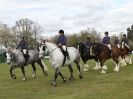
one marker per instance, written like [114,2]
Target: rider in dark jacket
[61,42]
[116,42]
[23,46]
[125,40]
[88,43]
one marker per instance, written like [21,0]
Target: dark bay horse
[103,53]
[85,56]
[126,51]
[15,58]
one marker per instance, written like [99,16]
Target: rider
[24,48]
[88,43]
[116,42]
[106,40]
[61,42]
[125,40]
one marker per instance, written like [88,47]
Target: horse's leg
[64,78]
[12,75]
[34,70]
[44,68]
[55,77]
[117,67]
[79,69]
[130,59]
[71,72]
[23,71]
[104,68]
[97,67]
[86,66]
[124,61]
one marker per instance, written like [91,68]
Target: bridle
[48,49]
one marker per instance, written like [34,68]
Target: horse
[103,53]
[15,59]
[125,54]
[57,60]
[85,56]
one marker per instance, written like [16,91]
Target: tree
[29,29]
[130,35]
[6,34]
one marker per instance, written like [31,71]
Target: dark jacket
[22,45]
[62,39]
[106,40]
[125,40]
[88,44]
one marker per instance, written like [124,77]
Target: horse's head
[42,50]
[80,46]
[123,45]
[10,55]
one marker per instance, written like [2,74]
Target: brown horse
[103,53]
[125,54]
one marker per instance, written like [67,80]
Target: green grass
[93,86]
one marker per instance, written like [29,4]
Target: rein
[52,50]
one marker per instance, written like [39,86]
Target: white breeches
[64,47]
[109,46]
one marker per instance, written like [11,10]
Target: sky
[72,16]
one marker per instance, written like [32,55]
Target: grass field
[93,86]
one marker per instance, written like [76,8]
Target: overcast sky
[70,15]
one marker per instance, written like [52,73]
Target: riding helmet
[106,33]
[124,35]
[61,31]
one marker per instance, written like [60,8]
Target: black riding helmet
[106,33]
[124,35]
[61,31]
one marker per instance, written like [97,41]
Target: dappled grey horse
[15,58]
[57,59]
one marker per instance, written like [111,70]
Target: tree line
[32,32]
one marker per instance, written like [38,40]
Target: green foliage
[130,35]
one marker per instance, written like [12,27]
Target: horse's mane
[50,43]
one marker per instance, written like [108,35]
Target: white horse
[57,59]
[15,58]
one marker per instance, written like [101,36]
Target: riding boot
[26,58]
[67,54]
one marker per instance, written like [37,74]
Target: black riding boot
[67,54]
[26,56]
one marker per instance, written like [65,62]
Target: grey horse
[15,58]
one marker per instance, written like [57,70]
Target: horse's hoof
[85,69]
[64,80]
[14,77]
[103,72]
[80,76]
[54,84]
[24,79]
[34,76]
[71,78]
[46,74]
